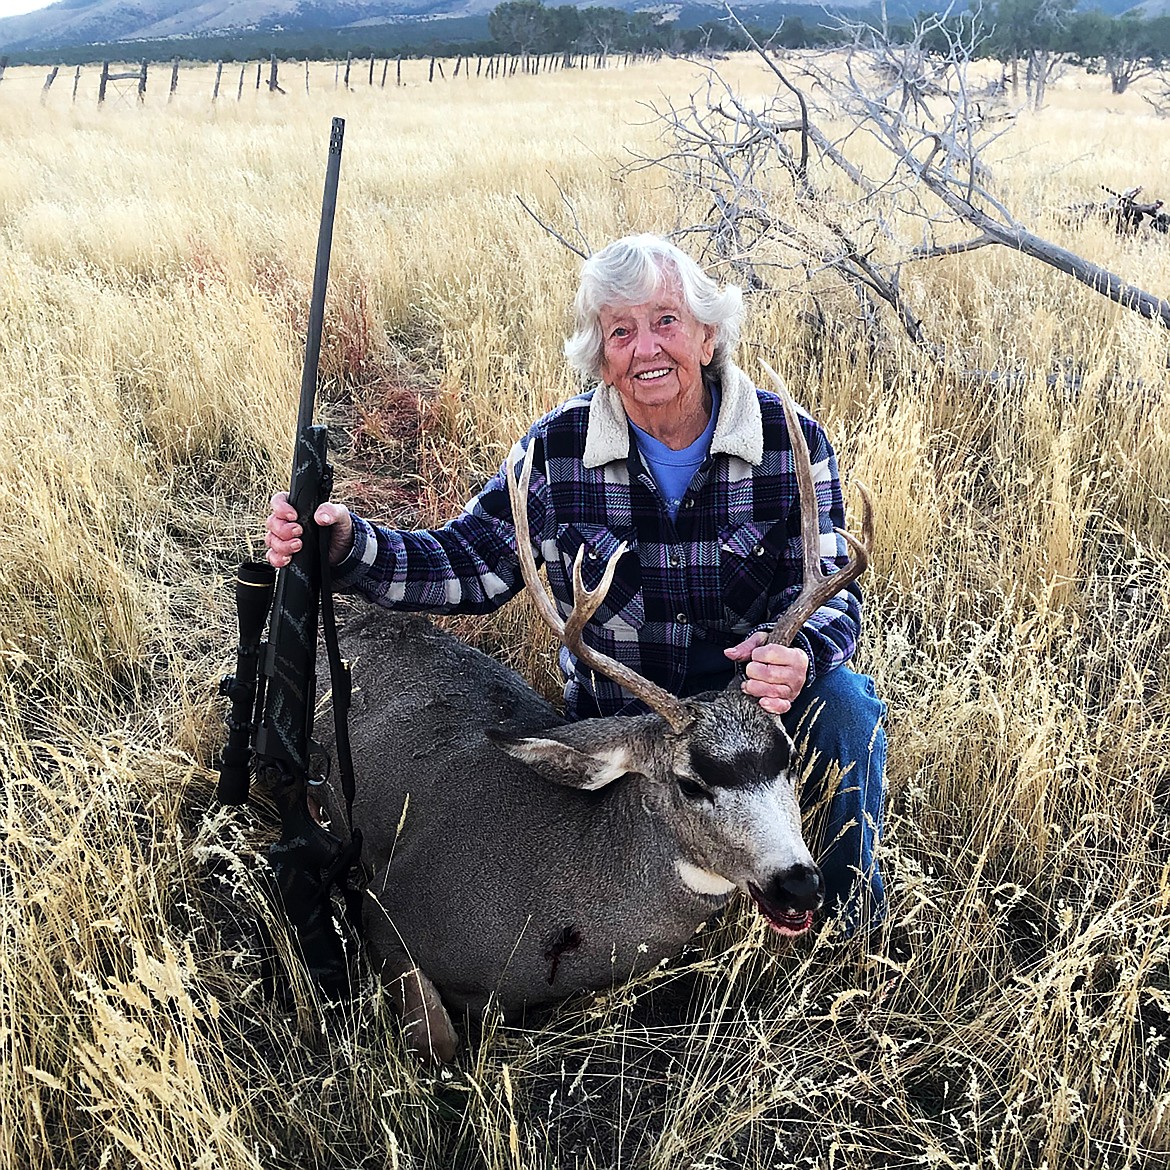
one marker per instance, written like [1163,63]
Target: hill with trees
[1031,37]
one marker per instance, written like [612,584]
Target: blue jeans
[836,722]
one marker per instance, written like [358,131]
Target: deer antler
[818,585]
[585,605]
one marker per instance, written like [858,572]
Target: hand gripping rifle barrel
[274,688]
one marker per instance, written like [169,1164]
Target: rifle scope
[255,581]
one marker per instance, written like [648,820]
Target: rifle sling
[340,680]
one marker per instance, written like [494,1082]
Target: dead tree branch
[780,191]
[553,231]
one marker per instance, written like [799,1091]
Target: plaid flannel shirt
[728,565]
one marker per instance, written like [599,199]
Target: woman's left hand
[775,674]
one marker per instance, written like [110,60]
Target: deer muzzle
[790,899]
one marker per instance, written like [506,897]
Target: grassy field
[155,263]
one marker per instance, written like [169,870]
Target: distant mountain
[79,22]
[94,22]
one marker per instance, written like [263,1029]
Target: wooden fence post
[306,75]
[398,72]
[174,78]
[138,75]
[259,70]
[336,73]
[240,91]
[76,79]
[3,66]
[371,69]
[348,63]
[385,70]
[273,83]
[49,81]
[218,77]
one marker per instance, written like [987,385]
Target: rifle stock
[285,729]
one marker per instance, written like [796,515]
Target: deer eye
[693,790]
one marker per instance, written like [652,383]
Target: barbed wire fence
[131,83]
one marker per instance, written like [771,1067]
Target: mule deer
[515,856]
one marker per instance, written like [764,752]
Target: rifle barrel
[320,279]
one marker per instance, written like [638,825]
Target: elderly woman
[677,453]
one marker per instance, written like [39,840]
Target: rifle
[273,691]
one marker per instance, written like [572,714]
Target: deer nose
[799,886]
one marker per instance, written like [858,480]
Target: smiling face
[653,355]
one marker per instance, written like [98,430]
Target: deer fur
[515,856]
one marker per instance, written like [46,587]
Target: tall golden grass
[154,272]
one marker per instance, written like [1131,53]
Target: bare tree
[1124,69]
[1129,52]
[1159,101]
[1030,31]
[779,192]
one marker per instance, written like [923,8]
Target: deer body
[499,879]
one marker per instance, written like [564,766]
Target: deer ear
[589,754]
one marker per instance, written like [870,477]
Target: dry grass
[154,268]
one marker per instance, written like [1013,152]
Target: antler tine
[818,585]
[585,605]
[518,497]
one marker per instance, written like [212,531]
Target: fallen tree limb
[918,106]
[1094,276]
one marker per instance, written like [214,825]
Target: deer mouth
[784,920]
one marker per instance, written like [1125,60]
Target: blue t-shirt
[674,470]
[707,666]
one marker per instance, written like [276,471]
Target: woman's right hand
[283,533]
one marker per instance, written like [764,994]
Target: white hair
[629,272]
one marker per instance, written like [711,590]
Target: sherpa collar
[739,429]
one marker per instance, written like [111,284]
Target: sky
[16,7]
